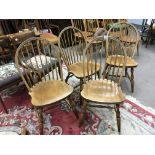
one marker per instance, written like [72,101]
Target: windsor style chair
[88,27]
[100,90]
[43,76]
[128,35]
[72,47]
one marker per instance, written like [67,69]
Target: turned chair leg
[72,105]
[4,107]
[40,117]
[118,118]
[132,79]
[98,74]
[84,108]
[81,87]
[66,80]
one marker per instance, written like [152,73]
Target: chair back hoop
[71,43]
[38,60]
[96,54]
[127,34]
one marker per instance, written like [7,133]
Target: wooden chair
[43,74]
[50,37]
[129,37]
[97,88]
[6,50]
[88,27]
[72,47]
[43,25]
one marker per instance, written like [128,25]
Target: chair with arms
[43,74]
[98,91]
[129,37]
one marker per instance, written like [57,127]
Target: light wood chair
[79,23]
[97,88]
[50,37]
[88,27]
[72,47]
[40,68]
[129,36]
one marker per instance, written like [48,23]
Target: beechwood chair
[103,91]
[72,47]
[88,27]
[39,64]
[129,36]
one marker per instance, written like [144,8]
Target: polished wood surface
[77,68]
[48,92]
[97,88]
[129,36]
[88,27]
[72,47]
[118,61]
[43,76]
[50,37]
[103,91]
[85,34]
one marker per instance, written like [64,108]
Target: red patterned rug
[136,118]
[58,119]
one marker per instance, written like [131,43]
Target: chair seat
[102,91]
[127,39]
[89,39]
[77,69]
[85,34]
[48,92]
[50,37]
[111,60]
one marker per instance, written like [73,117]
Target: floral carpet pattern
[135,118]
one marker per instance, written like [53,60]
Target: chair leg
[84,108]
[4,107]
[98,74]
[72,104]
[138,48]
[81,84]
[81,87]
[68,76]
[118,118]
[132,79]
[40,117]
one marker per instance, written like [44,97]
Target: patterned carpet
[135,118]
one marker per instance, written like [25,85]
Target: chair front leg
[118,118]
[81,87]
[4,107]
[84,108]
[68,76]
[39,111]
[132,79]
[73,106]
